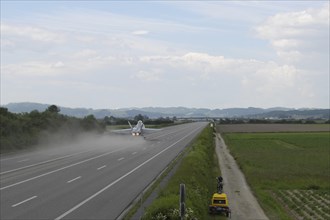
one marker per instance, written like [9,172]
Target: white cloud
[33,33]
[295,35]
[59,64]
[149,76]
[85,53]
[88,53]
[140,32]
[33,69]
[255,83]
[7,43]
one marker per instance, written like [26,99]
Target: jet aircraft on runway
[137,130]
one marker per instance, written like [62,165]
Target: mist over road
[96,177]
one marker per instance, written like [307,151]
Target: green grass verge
[197,171]
[282,161]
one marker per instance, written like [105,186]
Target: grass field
[288,172]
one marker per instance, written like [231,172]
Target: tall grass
[197,171]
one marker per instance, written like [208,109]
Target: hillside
[180,112]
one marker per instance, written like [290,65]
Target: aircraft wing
[122,131]
[151,130]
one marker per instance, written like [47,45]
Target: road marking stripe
[63,168]
[22,160]
[47,161]
[134,153]
[101,167]
[70,181]
[26,200]
[120,178]
[122,158]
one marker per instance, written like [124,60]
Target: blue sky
[204,54]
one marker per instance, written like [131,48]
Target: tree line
[110,120]
[23,130]
[20,131]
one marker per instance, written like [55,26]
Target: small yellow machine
[219,204]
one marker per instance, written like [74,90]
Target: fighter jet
[137,129]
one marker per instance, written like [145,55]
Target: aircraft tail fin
[130,124]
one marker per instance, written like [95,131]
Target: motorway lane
[99,188]
[53,152]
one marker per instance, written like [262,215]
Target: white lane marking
[63,168]
[70,181]
[43,162]
[101,167]
[134,153]
[20,161]
[26,200]
[120,178]
[122,158]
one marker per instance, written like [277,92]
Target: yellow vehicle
[219,204]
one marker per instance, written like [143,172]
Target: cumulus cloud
[252,81]
[120,58]
[296,35]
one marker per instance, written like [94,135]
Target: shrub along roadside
[197,171]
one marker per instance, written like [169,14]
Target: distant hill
[297,114]
[180,112]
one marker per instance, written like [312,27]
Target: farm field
[288,172]
[252,128]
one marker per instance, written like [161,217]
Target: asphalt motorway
[95,178]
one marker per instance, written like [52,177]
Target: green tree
[141,117]
[53,109]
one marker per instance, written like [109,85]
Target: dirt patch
[241,200]
[248,128]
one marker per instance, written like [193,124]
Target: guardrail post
[182,201]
